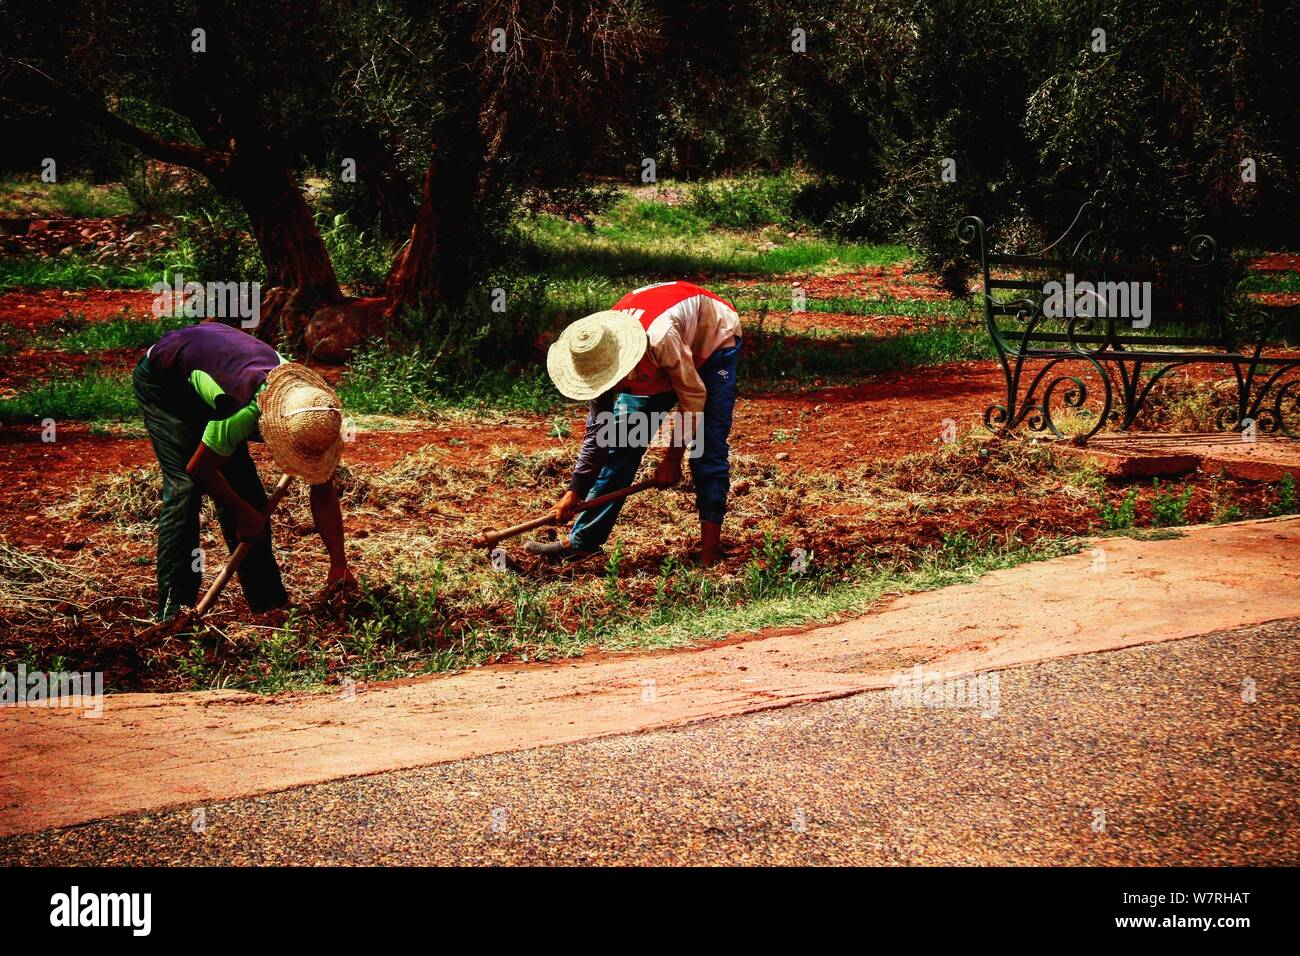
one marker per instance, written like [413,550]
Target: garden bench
[1083,336]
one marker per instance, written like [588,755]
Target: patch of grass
[74,334]
[360,262]
[71,199]
[638,245]
[750,300]
[91,396]
[78,271]
[404,630]
[774,354]
[1271,282]
[1285,502]
[383,380]
[745,202]
[1119,517]
[1170,506]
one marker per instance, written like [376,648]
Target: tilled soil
[830,469]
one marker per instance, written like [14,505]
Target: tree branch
[22,82]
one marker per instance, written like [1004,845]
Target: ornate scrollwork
[1201,250]
[1122,366]
[1290,392]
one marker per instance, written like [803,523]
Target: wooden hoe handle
[491,536]
[241,552]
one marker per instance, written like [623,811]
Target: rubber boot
[710,536]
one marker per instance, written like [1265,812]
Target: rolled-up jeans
[710,468]
[175,417]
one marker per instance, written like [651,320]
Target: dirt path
[863,780]
[151,751]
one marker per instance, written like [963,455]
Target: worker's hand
[669,471]
[250,524]
[341,576]
[566,507]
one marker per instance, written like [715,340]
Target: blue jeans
[711,469]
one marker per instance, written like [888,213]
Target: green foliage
[1228,514]
[1119,518]
[745,202]
[90,396]
[214,244]
[1285,504]
[773,353]
[957,549]
[360,262]
[69,199]
[612,565]
[74,334]
[1170,507]
[771,572]
[76,271]
[383,380]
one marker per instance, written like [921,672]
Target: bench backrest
[1076,295]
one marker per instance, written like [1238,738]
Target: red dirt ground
[30,310]
[895,281]
[883,325]
[1277,262]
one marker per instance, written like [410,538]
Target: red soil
[894,281]
[30,310]
[882,324]
[1277,262]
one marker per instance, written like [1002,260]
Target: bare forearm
[214,484]
[327,514]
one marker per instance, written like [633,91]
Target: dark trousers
[710,469]
[175,418]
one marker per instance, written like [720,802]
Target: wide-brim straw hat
[301,422]
[595,353]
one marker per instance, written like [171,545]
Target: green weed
[1119,518]
[90,396]
[1285,503]
[1170,507]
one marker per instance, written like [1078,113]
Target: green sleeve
[206,386]
[223,435]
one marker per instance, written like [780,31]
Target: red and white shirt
[684,324]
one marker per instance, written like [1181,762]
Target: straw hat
[595,353]
[301,422]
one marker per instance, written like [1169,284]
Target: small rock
[782,455]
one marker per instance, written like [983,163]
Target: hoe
[188,618]
[490,537]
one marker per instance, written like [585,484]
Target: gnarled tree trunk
[300,276]
[427,272]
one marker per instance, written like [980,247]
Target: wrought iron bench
[1083,336]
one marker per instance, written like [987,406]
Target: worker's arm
[674,357]
[328,516]
[591,457]
[205,469]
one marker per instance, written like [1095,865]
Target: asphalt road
[1143,756]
